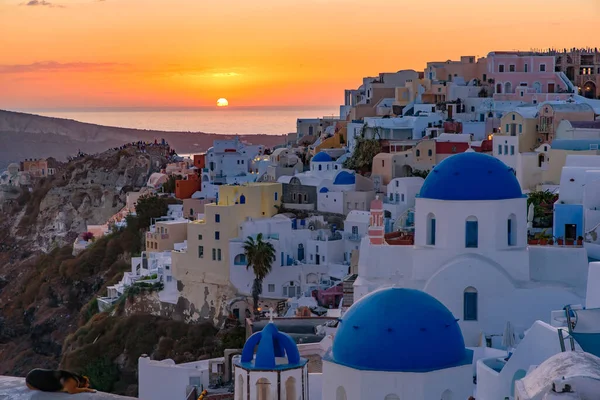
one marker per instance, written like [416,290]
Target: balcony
[387,200]
[326,236]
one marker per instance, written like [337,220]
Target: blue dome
[402,330]
[321,157]
[471,176]
[272,344]
[323,190]
[344,178]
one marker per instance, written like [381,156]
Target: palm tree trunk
[256,290]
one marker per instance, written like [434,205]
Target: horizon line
[168,108]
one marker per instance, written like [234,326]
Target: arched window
[340,393]
[312,278]
[447,395]
[430,229]
[391,397]
[263,389]
[471,232]
[507,87]
[470,304]
[512,230]
[320,167]
[541,159]
[242,199]
[418,153]
[290,388]
[239,388]
[499,88]
[240,259]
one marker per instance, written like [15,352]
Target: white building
[348,191]
[401,195]
[356,226]
[305,259]
[228,162]
[470,251]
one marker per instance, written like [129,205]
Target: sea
[230,120]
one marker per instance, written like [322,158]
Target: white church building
[470,251]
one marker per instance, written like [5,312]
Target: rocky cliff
[48,311]
[86,191]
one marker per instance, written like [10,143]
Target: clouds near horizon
[49,66]
[32,3]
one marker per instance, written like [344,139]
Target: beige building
[202,270]
[165,234]
[551,115]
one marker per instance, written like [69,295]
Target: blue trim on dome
[322,157]
[344,178]
[399,330]
[471,176]
[271,344]
[323,190]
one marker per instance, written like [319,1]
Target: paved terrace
[14,389]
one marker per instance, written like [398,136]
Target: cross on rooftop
[271,314]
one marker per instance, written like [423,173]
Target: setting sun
[222,102]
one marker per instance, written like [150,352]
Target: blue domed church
[471,252]
[398,343]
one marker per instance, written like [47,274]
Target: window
[200,237]
[499,149]
[429,152]
[263,389]
[340,393]
[542,67]
[200,251]
[240,259]
[217,218]
[320,167]
[471,232]
[501,68]
[418,153]
[383,163]
[276,195]
[511,68]
[526,68]
[507,128]
[513,117]
[511,230]
[520,128]
[431,229]
[242,199]
[402,197]
[217,235]
[218,254]
[169,278]
[397,183]
[512,150]
[470,304]
[271,288]
[214,254]
[505,149]
[242,161]
[290,388]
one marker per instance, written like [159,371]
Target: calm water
[210,120]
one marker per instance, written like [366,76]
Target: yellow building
[165,235]
[202,271]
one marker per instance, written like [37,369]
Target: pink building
[331,297]
[526,77]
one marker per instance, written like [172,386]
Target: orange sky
[126,53]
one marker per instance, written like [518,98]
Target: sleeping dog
[48,380]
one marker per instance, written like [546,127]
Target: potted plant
[560,241]
[580,241]
[544,238]
[569,242]
[551,241]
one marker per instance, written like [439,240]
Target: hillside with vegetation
[49,315]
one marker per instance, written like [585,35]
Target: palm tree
[259,255]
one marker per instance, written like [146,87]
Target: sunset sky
[188,53]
